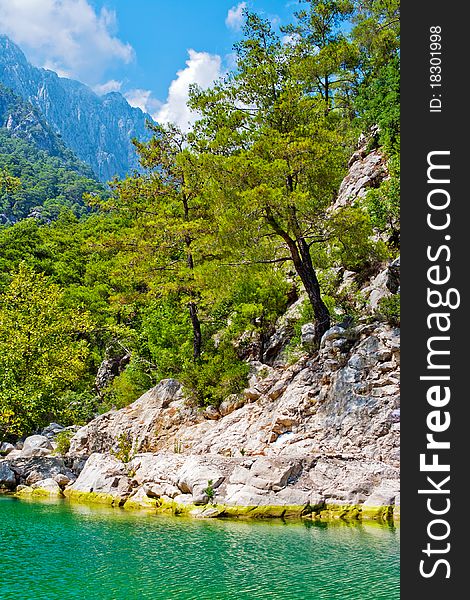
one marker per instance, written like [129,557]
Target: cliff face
[343,399]
[20,119]
[50,173]
[98,129]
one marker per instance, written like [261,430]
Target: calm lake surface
[52,551]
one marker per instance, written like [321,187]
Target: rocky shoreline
[208,486]
[316,439]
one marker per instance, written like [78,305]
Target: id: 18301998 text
[435,68]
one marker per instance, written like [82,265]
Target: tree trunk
[300,253]
[327,94]
[309,278]
[196,325]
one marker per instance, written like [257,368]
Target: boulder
[14,454]
[46,487]
[36,445]
[7,476]
[139,500]
[308,335]
[196,475]
[266,473]
[24,488]
[52,430]
[63,480]
[334,333]
[184,499]
[6,448]
[161,469]
[33,477]
[158,490]
[104,479]
[140,421]
[31,470]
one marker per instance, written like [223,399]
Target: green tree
[275,158]
[48,182]
[167,213]
[376,33]
[42,351]
[324,58]
[8,183]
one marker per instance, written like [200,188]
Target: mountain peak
[98,129]
[11,52]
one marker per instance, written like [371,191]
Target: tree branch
[258,262]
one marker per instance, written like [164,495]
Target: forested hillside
[186,267]
[50,176]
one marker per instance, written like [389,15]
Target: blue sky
[149,50]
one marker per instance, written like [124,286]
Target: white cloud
[110,86]
[143,99]
[201,68]
[67,35]
[138,98]
[53,66]
[235,16]
[290,40]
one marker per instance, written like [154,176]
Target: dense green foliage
[185,268]
[48,183]
[63,441]
[42,351]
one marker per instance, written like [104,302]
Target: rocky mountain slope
[98,129]
[319,437]
[21,120]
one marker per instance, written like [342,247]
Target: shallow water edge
[322,512]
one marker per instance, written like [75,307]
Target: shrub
[214,376]
[77,408]
[209,491]
[389,308]
[63,441]
[126,387]
[383,204]
[124,451]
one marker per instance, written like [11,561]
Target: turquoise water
[60,551]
